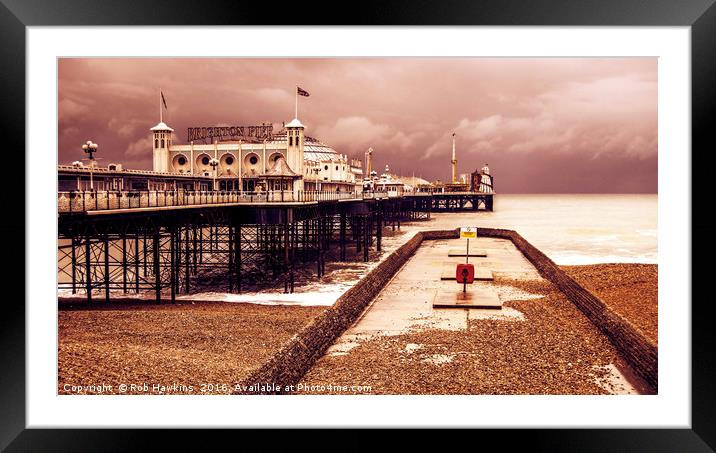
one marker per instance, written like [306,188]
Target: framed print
[441,217]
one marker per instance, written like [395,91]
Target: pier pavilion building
[250,158]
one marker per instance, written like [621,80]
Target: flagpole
[296,95]
[161,119]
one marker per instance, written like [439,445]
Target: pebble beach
[221,342]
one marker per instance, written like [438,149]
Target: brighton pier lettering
[228,132]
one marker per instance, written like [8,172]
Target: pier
[165,243]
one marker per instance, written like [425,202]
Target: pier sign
[263,131]
[468,232]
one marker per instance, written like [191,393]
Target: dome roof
[162,127]
[294,123]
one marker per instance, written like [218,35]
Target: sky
[544,125]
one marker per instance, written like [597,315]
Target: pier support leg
[285,255]
[157,276]
[88,269]
[106,268]
[366,237]
[237,259]
[172,265]
[230,243]
[74,264]
[187,261]
[379,229]
[194,239]
[144,244]
[177,258]
[136,263]
[342,236]
[124,263]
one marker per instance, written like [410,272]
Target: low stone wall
[293,360]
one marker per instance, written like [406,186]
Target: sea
[575,229]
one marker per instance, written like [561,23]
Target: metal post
[318,246]
[88,269]
[194,238]
[136,262]
[285,250]
[366,238]
[293,227]
[237,260]
[342,236]
[144,245]
[172,264]
[177,258]
[74,265]
[157,277]
[201,244]
[124,263]
[186,258]
[229,246]
[106,268]
[379,227]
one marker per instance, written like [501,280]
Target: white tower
[294,150]
[162,140]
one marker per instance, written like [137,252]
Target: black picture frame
[700,15]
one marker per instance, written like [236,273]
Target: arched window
[156,143]
[162,143]
[325,167]
[290,140]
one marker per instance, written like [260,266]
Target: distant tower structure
[162,136]
[368,157]
[162,140]
[454,160]
[294,152]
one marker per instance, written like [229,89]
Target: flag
[164,101]
[302,92]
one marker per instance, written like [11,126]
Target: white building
[251,161]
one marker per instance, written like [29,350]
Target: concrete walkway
[406,303]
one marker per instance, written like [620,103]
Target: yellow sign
[468,232]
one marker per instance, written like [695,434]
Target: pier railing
[82,201]
[93,200]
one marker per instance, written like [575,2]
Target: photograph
[392,225]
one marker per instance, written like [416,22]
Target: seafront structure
[235,205]
[239,158]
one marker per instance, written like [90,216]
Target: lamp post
[214,162]
[90,148]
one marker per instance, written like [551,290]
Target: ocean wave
[570,259]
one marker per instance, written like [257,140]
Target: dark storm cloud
[543,125]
